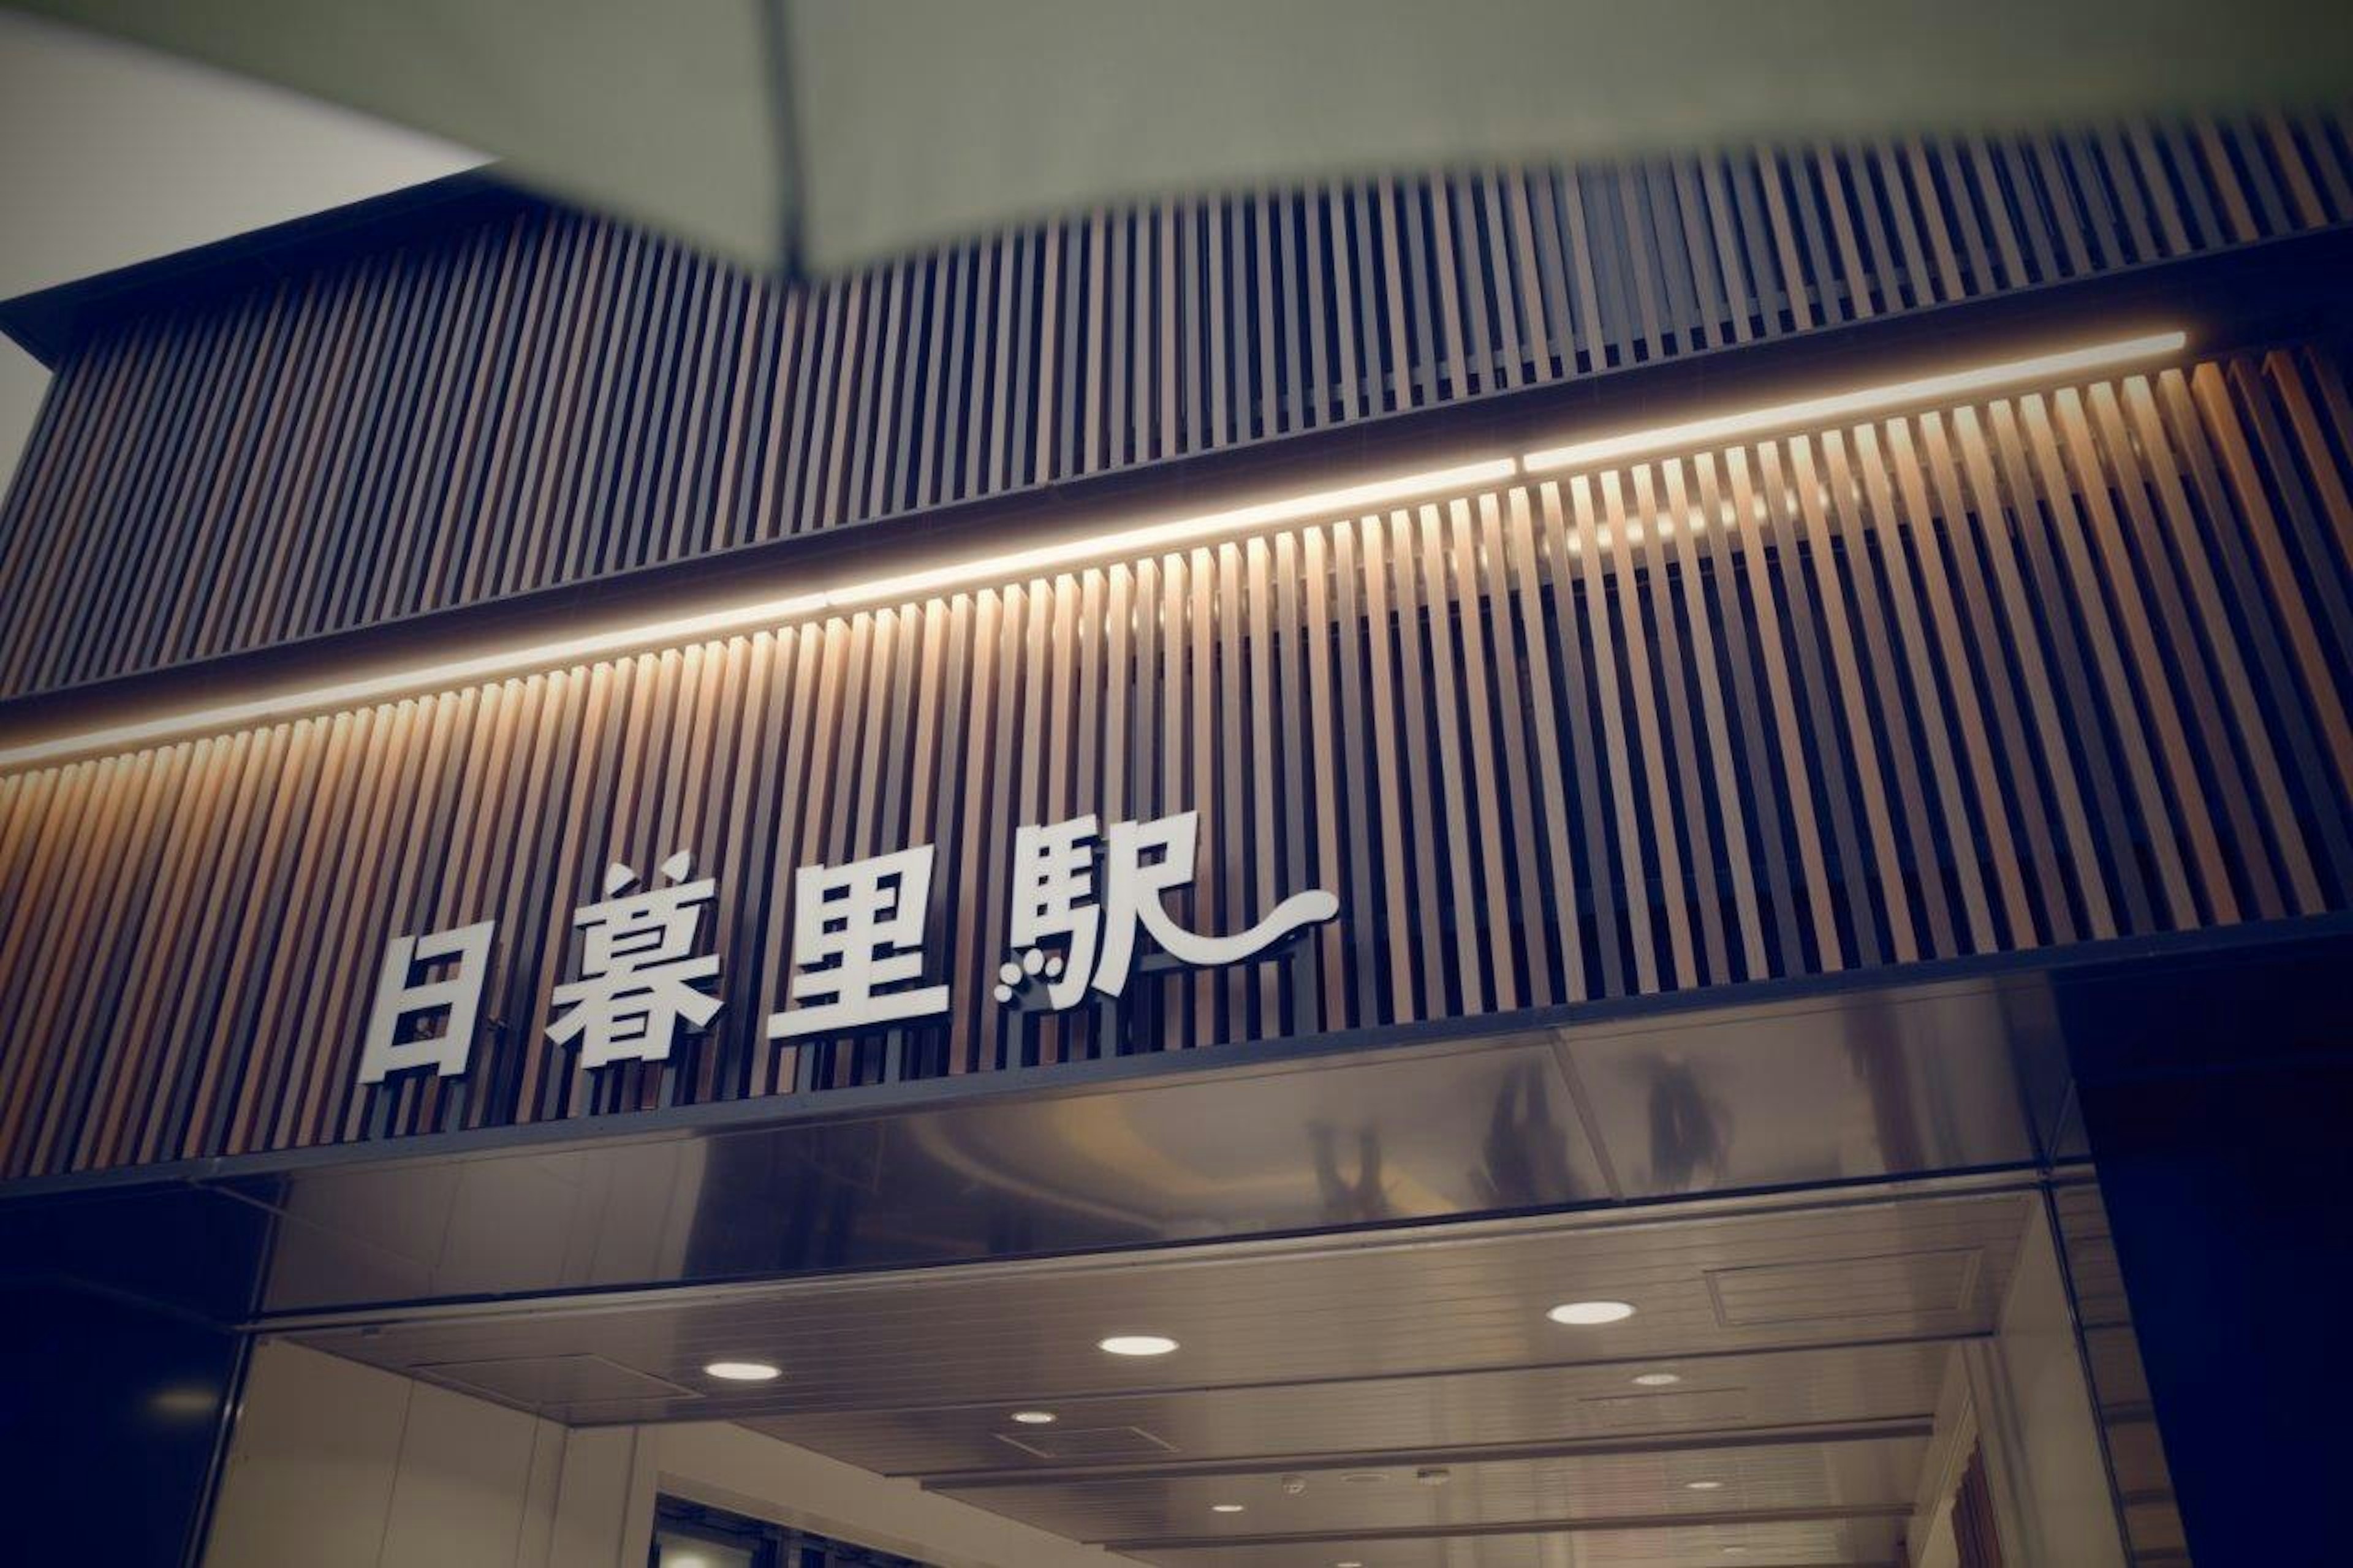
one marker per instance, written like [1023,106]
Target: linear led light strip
[1870,399]
[1019,565]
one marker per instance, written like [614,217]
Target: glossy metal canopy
[1817,1198]
[827,132]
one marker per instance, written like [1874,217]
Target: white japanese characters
[859,929]
[1092,896]
[399,996]
[640,969]
[1081,898]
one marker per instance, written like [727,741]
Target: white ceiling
[1395,1396]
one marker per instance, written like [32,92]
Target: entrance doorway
[1866,1378]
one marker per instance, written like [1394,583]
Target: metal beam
[1888,1429]
[1621,1523]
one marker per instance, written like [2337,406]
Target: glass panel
[2137,1467]
[690,1535]
[675,1549]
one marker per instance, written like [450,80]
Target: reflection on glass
[695,1535]
[2137,1467]
[672,1550]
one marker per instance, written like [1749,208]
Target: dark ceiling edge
[51,324]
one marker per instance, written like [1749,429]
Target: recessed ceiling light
[1225,1508]
[1704,1486]
[1350,1562]
[1034,1417]
[1657,1379]
[1137,1344]
[742,1370]
[1364,1478]
[1584,1314]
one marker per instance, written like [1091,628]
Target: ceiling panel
[1877,1472]
[1384,1307]
[1518,1406]
[1788,1543]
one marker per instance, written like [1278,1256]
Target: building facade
[1353,778]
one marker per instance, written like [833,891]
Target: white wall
[336,1464]
[2035,1418]
[110,155]
[1928,1537]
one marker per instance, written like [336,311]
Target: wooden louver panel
[2049,668]
[551,398]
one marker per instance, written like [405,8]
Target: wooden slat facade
[2056,667]
[550,398]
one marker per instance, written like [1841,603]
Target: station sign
[1086,899]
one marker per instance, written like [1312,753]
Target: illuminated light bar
[1158,537]
[761,615]
[1953,385]
[1014,566]
[409,681]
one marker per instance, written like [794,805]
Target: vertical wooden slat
[1684,523]
[1326,728]
[1353,586]
[1916,557]
[2107,661]
[1552,801]
[1960,680]
[1748,522]
[1597,541]
[1669,690]
[2073,737]
[1387,759]
[1515,904]
[1447,826]
[1885,596]
[640,405]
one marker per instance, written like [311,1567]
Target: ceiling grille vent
[1088,1443]
[1893,1285]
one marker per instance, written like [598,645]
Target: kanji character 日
[405,1002]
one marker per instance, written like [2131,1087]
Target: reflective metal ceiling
[1244,1142]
